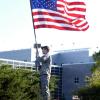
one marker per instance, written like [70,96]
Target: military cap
[45,47]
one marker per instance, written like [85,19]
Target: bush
[20,84]
[89,93]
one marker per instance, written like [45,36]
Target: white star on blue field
[45,4]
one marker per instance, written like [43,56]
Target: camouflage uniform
[45,73]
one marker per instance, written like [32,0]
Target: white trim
[79,63]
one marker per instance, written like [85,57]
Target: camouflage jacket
[45,62]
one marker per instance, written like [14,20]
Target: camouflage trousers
[44,83]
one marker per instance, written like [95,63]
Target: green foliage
[89,93]
[53,83]
[18,84]
[21,84]
[95,79]
[96,57]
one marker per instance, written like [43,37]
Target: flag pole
[36,44]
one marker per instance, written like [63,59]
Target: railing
[21,64]
[18,64]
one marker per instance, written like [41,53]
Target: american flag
[59,14]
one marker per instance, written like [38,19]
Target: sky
[16,29]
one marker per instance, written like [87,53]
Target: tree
[96,57]
[20,84]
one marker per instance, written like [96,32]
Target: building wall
[73,78]
[70,57]
[23,55]
[61,57]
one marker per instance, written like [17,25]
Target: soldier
[45,72]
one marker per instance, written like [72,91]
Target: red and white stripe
[70,15]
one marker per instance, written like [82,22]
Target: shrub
[21,84]
[18,84]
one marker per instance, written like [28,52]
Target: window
[76,80]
